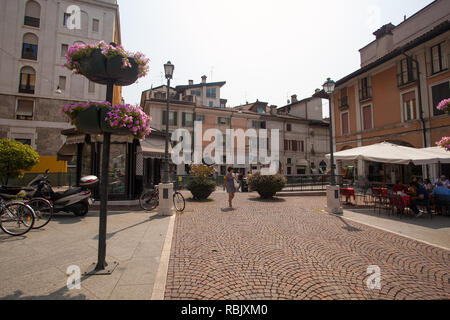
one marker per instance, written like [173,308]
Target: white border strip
[397,233]
[161,275]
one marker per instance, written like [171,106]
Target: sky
[264,49]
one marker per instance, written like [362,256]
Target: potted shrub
[121,119]
[201,187]
[267,186]
[104,62]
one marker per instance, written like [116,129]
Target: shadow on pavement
[349,227]
[112,234]
[273,200]
[228,209]
[57,295]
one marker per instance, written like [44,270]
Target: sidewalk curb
[159,286]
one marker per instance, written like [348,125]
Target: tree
[15,158]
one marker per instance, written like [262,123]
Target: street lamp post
[166,188]
[333,196]
[328,87]
[168,69]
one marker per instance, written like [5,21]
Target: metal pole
[166,154]
[101,264]
[333,178]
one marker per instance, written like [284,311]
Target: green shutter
[175,118]
[164,117]
[183,119]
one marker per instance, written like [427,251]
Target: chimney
[385,40]
[204,79]
[191,82]
[294,98]
[273,110]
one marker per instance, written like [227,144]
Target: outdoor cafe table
[381,191]
[348,192]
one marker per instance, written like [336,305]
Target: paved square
[289,249]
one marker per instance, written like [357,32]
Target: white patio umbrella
[386,152]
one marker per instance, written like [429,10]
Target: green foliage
[201,171]
[15,158]
[201,188]
[266,186]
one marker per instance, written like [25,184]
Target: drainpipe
[424,128]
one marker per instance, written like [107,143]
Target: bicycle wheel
[43,212]
[16,219]
[149,200]
[178,201]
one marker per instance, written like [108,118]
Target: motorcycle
[76,199]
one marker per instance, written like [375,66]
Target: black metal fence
[311,182]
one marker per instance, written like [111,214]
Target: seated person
[399,187]
[419,195]
[443,180]
[440,190]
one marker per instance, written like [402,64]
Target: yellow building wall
[49,162]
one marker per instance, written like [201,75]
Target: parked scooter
[75,199]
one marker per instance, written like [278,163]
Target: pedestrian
[427,184]
[229,185]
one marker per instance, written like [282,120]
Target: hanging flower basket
[444,143]
[103,63]
[97,118]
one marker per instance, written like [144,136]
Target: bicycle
[149,200]
[43,210]
[16,218]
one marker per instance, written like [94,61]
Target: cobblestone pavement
[289,249]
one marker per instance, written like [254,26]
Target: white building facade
[34,37]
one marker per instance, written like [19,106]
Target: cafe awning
[386,152]
[154,146]
[67,152]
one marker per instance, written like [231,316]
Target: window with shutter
[367,117]
[24,109]
[345,124]
[294,145]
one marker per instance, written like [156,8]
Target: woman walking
[230,179]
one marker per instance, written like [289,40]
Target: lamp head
[168,70]
[329,86]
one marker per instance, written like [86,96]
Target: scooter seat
[71,191]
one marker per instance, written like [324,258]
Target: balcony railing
[406,79]
[26,89]
[33,22]
[365,93]
[343,103]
